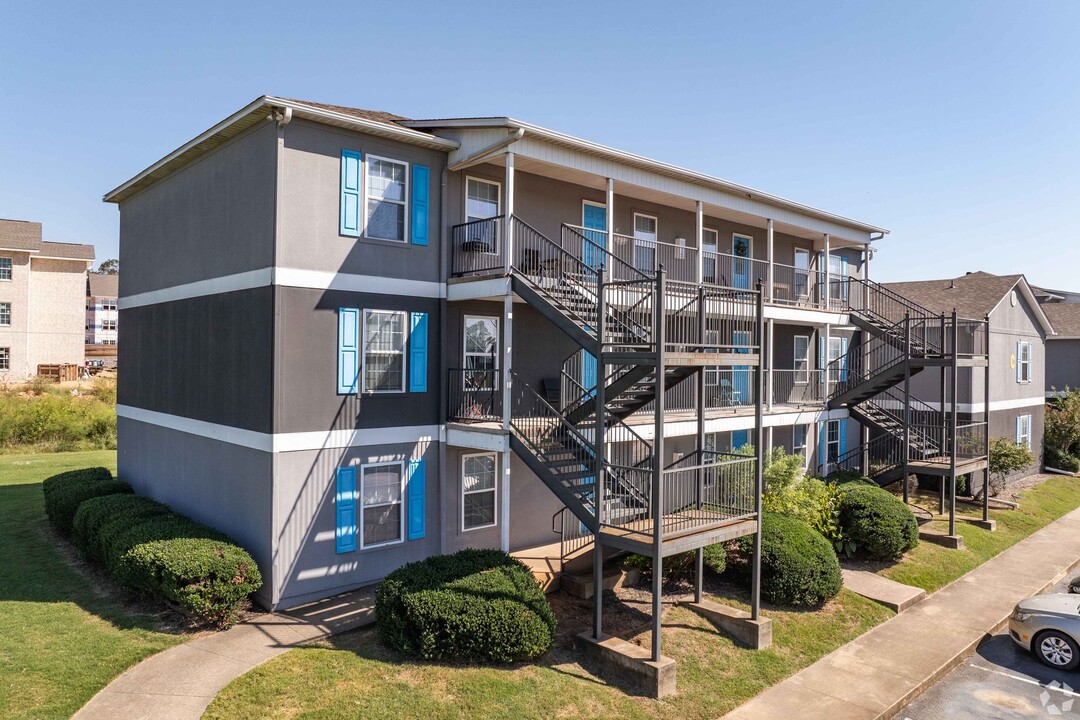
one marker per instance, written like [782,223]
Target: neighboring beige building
[42,300]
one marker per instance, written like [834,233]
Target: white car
[1049,626]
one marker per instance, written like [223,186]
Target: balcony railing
[706,487]
[474,395]
[477,247]
[797,387]
[796,286]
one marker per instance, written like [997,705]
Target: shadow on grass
[40,566]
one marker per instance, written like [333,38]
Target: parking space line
[1029,681]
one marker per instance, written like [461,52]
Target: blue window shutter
[843,359]
[822,352]
[843,437]
[417,501]
[1018,428]
[348,364]
[421,189]
[345,508]
[1017,361]
[418,353]
[844,277]
[350,193]
[822,455]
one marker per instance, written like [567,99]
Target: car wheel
[1057,650]
[1074,586]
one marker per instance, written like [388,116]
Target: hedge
[64,493]
[478,605]
[849,478]
[148,548]
[881,526]
[798,565]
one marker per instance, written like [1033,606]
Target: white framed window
[5,268]
[832,442]
[5,313]
[798,440]
[1023,431]
[384,351]
[108,342]
[481,350]
[108,325]
[108,304]
[1024,356]
[5,358]
[478,491]
[482,199]
[710,242]
[802,359]
[382,514]
[802,273]
[386,187]
[645,235]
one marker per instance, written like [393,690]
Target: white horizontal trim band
[287,277]
[283,442]
[994,405]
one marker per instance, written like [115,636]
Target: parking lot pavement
[1000,681]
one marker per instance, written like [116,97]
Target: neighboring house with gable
[42,299]
[102,316]
[1020,333]
[1063,348]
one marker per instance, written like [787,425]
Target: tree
[1006,457]
[1061,438]
[109,267]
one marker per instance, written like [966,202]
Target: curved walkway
[179,683]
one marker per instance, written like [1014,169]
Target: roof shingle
[1065,317]
[973,295]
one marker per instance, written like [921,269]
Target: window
[802,359]
[478,491]
[835,352]
[5,268]
[387,190]
[838,278]
[798,439]
[384,351]
[5,358]
[645,243]
[5,313]
[108,325]
[1023,360]
[1023,431]
[108,342]
[710,240]
[382,514]
[481,199]
[832,442]
[481,351]
[108,304]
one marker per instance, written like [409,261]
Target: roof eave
[646,163]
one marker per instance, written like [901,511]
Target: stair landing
[703,528]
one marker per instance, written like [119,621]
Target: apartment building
[42,291]
[102,293]
[361,340]
[1063,347]
[1015,380]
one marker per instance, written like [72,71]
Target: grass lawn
[354,676]
[931,566]
[61,639]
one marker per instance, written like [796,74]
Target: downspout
[481,155]
[444,363]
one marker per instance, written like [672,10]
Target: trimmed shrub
[112,511]
[798,565]
[479,605]
[208,579]
[850,477]
[151,528]
[64,493]
[881,526]
[1062,461]
[681,565]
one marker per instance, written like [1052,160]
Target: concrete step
[893,595]
[581,584]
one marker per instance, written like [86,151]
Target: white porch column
[699,234]
[769,256]
[610,201]
[827,275]
[866,261]
[508,212]
[827,334]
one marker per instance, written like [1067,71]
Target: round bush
[798,565]
[479,605]
[118,541]
[881,526]
[116,512]
[64,493]
[848,478]
[206,578]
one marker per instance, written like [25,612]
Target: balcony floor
[683,531]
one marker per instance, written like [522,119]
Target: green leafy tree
[1061,436]
[1006,457]
[109,267]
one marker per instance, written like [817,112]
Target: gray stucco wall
[306,564]
[308,235]
[1062,364]
[207,358]
[214,217]
[225,486]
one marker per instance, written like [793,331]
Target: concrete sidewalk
[179,683]
[879,673]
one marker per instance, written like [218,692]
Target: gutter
[481,155]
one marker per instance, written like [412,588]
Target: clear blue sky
[954,124]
